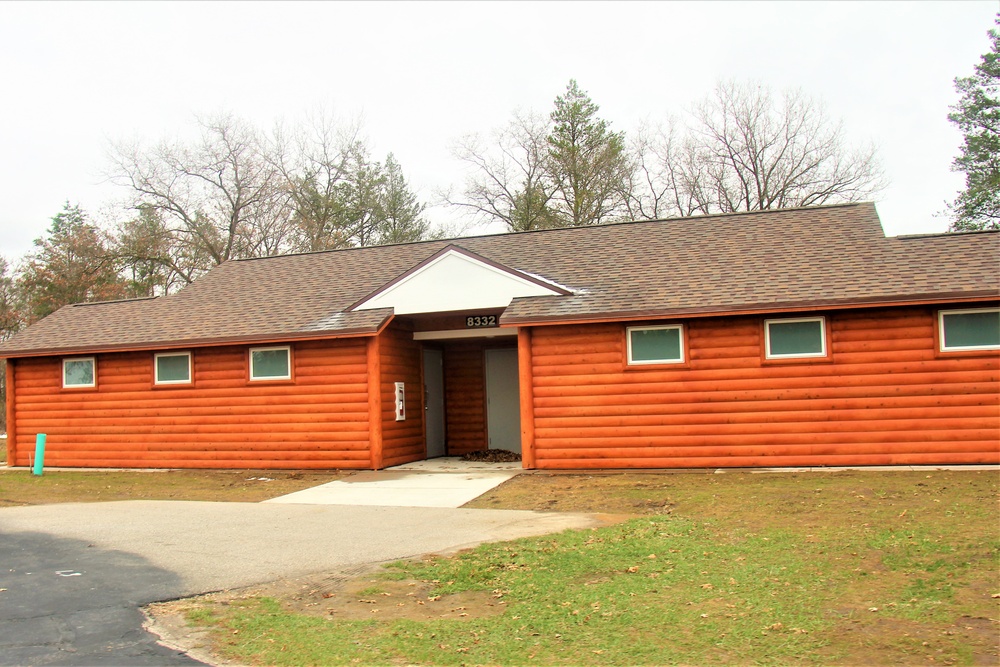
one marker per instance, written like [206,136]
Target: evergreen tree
[148,256]
[587,162]
[71,265]
[977,115]
[399,209]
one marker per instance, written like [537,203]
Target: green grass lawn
[856,568]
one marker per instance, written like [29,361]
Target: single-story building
[776,338]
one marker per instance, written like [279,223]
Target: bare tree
[508,179]
[10,315]
[316,160]
[746,151]
[220,198]
[664,181]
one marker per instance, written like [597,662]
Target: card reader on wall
[400,402]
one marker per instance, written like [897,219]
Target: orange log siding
[318,420]
[465,397]
[884,397]
[525,384]
[402,441]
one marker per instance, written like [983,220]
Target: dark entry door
[434,402]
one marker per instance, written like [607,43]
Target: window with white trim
[655,345]
[79,373]
[172,368]
[795,338]
[271,363]
[972,329]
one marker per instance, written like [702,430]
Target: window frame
[966,348]
[166,383]
[630,362]
[823,336]
[269,378]
[93,367]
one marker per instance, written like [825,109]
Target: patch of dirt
[351,596]
[863,637]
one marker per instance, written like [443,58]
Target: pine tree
[977,115]
[587,162]
[399,209]
[72,265]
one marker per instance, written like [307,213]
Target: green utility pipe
[39,454]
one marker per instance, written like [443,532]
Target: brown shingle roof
[762,261]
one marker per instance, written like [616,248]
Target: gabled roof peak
[455,278]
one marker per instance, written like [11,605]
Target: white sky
[73,76]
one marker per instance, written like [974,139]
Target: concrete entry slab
[444,482]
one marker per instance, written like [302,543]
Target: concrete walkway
[442,482]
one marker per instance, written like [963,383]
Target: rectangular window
[977,329]
[655,345]
[79,373]
[172,368]
[795,338]
[271,363]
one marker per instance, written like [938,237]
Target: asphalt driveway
[73,576]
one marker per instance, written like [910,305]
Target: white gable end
[454,281]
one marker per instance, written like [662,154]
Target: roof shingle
[767,260]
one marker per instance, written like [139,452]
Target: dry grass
[21,487]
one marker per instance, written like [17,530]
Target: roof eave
[352,332]
[753,309]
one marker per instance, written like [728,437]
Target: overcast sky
[74,76]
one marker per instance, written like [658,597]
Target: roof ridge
[452,240]
[729,214]
[968,232]
[101,303]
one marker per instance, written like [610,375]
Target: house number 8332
[481,321]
